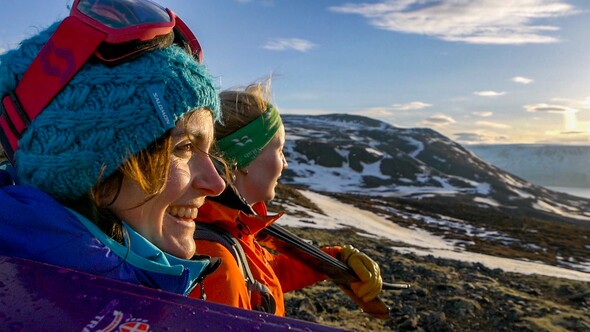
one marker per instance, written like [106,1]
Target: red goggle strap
[193,42]
[51,70]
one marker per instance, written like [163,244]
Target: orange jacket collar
[235,221]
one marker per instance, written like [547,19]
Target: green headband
[245,144]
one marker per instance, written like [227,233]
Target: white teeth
[184,212]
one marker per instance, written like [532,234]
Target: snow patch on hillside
[421,242]
[559,210]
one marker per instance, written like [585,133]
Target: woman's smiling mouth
[183,212]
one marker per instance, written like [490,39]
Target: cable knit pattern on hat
[104,115]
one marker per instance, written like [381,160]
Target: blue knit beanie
[104,114]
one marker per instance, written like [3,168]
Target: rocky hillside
[351,154]
[431,182]
[446,295]
[421,180]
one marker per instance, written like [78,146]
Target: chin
[271,196]
[186,255]
[185,252]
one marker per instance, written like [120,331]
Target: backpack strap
[215,234]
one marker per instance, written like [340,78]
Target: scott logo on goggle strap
[58,62]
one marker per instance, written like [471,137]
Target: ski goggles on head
[109,31]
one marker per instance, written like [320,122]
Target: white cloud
[570,120]
[575,132]
[283,44]
[546,108]
[438,120]
[489,93]
[492,124]
[470,138]
[388,111]
[476,22]
[383,114]
[522,80]
[414,105]
[577,104]
[483,114]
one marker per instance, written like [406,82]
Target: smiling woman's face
[167,219]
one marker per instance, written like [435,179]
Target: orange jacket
[279,273]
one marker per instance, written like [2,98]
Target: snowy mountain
[341,153]
[547,165]
[434,214]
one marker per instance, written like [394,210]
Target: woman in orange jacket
[251,138]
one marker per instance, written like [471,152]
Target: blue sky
[480,71]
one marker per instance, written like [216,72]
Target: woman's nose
[208,179]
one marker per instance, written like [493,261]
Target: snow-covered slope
[418,241]
[352,154]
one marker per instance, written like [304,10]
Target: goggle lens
[123,13]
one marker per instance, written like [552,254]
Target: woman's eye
[183,149]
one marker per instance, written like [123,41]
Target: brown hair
[240,106]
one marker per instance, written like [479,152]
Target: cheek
[178,178]
[277,166]
[272,171]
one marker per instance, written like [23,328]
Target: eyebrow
[196,136]
[177,133]
[180,133]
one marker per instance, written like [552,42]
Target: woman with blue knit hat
[108,126]
[251,138]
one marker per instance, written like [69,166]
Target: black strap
[214,263]
[215,234]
